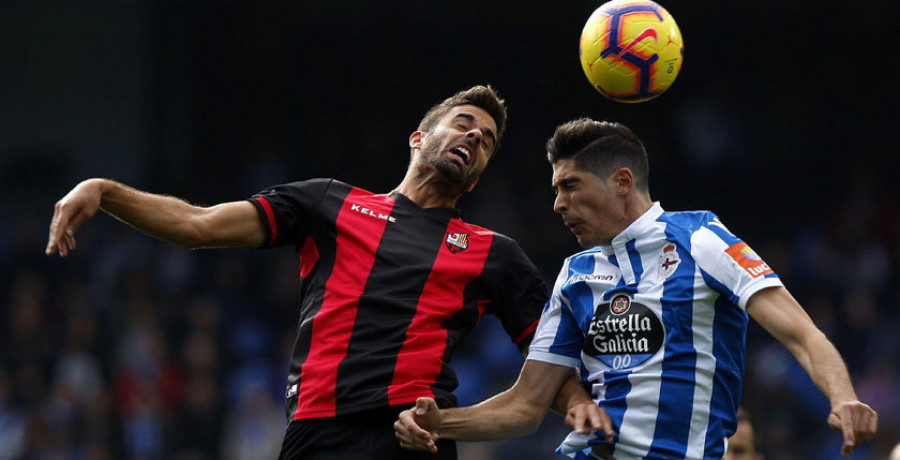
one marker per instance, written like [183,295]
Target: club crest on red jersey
[457,242]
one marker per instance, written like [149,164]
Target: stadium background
[783,122]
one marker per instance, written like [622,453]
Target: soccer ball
[631,50]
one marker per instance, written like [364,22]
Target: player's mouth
[572,224]
[463,153]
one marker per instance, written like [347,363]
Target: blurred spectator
[105,356]
[255,426]
[743,444]
[13,420]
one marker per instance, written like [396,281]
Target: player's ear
[624,180]
[415,140]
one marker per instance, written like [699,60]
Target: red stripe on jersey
[482,307]
[421,357]
[359,230]
[309,255]
[270,217]
[524,335]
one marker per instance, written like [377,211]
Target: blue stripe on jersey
[730,323]
[584,375]
[713,224]
[615,403]
[621,286]
[636,265]
[676,396]
[583,264]
[569,328]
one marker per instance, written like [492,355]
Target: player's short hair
[744,416]
[483,97]
[600,147]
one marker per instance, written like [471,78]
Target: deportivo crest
[457,242]
[668,261]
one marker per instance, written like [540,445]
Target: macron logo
[369,212]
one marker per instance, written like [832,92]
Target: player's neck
[636,206]
[428,192]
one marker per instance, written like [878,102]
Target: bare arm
[164,217]
[780,314]
[515,412]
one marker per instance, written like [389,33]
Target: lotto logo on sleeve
[749,260]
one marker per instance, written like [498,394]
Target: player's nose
[474,135]
[559,204]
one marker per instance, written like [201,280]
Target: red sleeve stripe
[270,216]
[527,332]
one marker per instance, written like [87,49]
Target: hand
[416,428]
[858,422]
[586,417]
[70,212]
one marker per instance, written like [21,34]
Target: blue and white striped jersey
[656,323]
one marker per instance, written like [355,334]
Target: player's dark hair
[484,97]
[744,416]
[600,147]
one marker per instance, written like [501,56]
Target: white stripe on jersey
[702,327]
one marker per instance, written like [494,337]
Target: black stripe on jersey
[386,309]
[311,292]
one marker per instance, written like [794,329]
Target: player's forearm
[497,418]
[161,216]
[826,368]
[777,311]
[571,393]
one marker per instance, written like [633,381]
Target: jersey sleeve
[286,210]
[558,339]
[524,293]
[730,265]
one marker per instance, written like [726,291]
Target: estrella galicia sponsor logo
[371,213]
[624,333]
[457,242]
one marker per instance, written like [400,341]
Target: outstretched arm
[164,217]
[780,314]
[515,412]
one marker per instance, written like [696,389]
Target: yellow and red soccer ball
[631,50]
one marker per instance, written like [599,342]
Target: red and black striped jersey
[389,290]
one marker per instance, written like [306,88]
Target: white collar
[633,231]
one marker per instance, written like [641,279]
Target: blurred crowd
[134,349]
[131,348]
